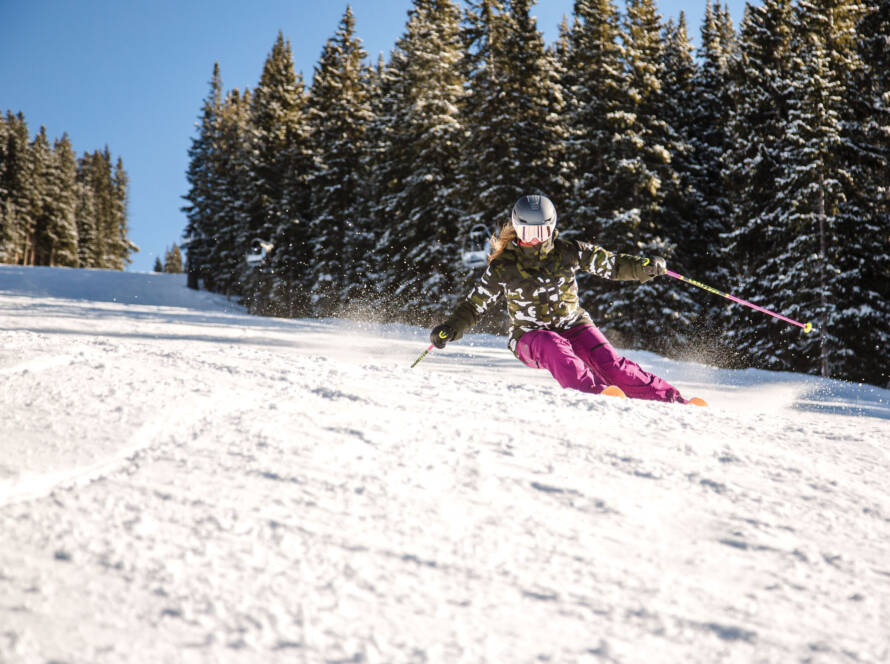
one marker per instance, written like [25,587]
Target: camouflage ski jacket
[540,286]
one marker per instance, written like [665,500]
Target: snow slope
[181,482]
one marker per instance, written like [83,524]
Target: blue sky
[132,75]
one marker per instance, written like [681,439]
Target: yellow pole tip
[808,328]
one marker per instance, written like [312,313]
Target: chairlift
[474,252]
[258,253]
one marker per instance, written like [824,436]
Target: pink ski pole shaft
[807,327]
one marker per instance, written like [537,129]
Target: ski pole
[807,327]
[442,335]
[422,355]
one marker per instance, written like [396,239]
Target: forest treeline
[57,208]
[757,162]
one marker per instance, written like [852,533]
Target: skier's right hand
[441,334]
[655,266]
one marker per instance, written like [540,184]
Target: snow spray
[807,327]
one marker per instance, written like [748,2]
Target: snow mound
[146,288]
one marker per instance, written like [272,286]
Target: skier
[535,270]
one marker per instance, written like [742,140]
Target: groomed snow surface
[182,482]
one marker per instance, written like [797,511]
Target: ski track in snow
[198,485]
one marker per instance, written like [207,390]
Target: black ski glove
[441,335]
[654,267]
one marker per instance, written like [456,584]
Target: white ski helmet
[534,218]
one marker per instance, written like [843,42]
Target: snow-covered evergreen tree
[708,135]
[515,129]
[95,172]
[791,243]
[593,80]
[760,88]
[173,260]
[808,282]
[683,211]
[93,179]
[277,119]
[122,246]
[201,196]
[85,220]
[56,231]
[292,258]
[230,181]
[340,113]
[642,151]
[419,209]
[861,319]
[15,174]
[38,199]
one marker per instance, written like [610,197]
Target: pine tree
[90,242]
[278,134]
[292,257]
[864,230]
[532,77]
[201,197]
[95,174]
[378,163]
[159,267]
[678,317]
[864,218]
[484,147]
[85,221]
[642,150]
[808,282]
[64,181]
[759,117]
[56,229]
[419,209]
[36,198]
[708,135]
[13,179]
[173,260]
[593,81]
[119,230]
[516,134]
[231,181]
[340,112]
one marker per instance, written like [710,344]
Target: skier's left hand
[655,266]
[441,335]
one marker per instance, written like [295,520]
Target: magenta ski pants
[582,358]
